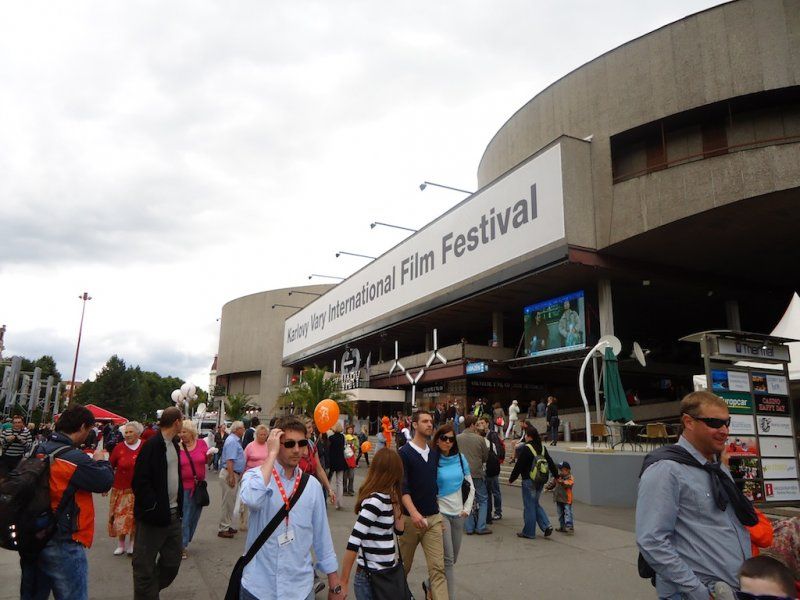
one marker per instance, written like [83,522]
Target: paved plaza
[599,561]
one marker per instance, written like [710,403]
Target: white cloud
[163,155]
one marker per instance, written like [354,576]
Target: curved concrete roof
[734,49]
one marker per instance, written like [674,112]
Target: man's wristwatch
[336,590]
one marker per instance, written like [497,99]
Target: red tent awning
[101,414]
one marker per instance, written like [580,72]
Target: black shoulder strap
[191,462]
[276,520]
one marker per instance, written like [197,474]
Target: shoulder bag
[200,495]
[235,582]
[388,584]
[465,486]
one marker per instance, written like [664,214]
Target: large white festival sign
[514,217]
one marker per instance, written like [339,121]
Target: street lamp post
[354,254]
[372,226]
[425,184]
[326,276]
[85,297]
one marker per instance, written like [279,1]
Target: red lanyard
[281,489]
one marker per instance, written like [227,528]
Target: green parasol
[617,408]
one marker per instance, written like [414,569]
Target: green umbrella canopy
[617,408]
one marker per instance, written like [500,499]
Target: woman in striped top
[379,517]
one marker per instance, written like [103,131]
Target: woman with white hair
[255,453]
[194,455]
[120,513]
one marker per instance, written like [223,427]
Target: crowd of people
[434,479]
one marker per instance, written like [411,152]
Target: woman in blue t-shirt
[452,471]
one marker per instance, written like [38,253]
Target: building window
[733,125]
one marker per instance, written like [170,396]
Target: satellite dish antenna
[639,354]
[611,341]
[201,409]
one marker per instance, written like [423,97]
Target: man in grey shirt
[475,449]
[681,532]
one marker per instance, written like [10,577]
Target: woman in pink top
[196,450]
[255,453]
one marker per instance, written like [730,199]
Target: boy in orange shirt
[562,494]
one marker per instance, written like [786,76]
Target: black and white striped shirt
[16,443]
[373,533]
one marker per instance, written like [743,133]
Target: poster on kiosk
[749,372]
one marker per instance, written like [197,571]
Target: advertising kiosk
[750,372]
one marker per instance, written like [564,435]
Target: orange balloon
[326,414]
[366,447]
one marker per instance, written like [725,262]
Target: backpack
[492,462]
[540,472]
[499,445]
[27,521]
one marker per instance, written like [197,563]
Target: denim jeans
[191,516]
[495,500]
[532,511]
[361,587]
[564,515]
[61,567]
[479,511]
[554,432]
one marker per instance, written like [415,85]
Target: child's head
[766,576]
[564,469]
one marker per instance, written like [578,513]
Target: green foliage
[236,405]
[46,363]
[316,385]
[129,391]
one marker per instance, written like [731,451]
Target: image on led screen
[555,325]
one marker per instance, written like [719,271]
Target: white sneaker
[119,551]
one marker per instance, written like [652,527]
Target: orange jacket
[77,472]
[761,533]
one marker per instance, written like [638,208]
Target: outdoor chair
[602,432]
[657,434]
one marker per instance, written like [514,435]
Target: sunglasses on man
[712,422]
[289,444]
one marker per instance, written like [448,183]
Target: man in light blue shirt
[681,532]
[283,568]
[232,461]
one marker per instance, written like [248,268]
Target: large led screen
[555,325]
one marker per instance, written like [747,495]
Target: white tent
[787,327]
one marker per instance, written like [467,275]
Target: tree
[236,405]
[130,391]
[316,385]
[46,363]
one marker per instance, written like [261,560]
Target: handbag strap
[191,462]
[276,520]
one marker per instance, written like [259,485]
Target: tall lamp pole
[84,297]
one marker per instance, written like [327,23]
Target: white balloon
[194,397]
[191,391]
[185,389]
[176,396]
[461,419]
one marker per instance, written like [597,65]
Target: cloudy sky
[168,157]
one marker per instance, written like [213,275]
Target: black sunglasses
[712,422]
[447,438]
[290,443]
